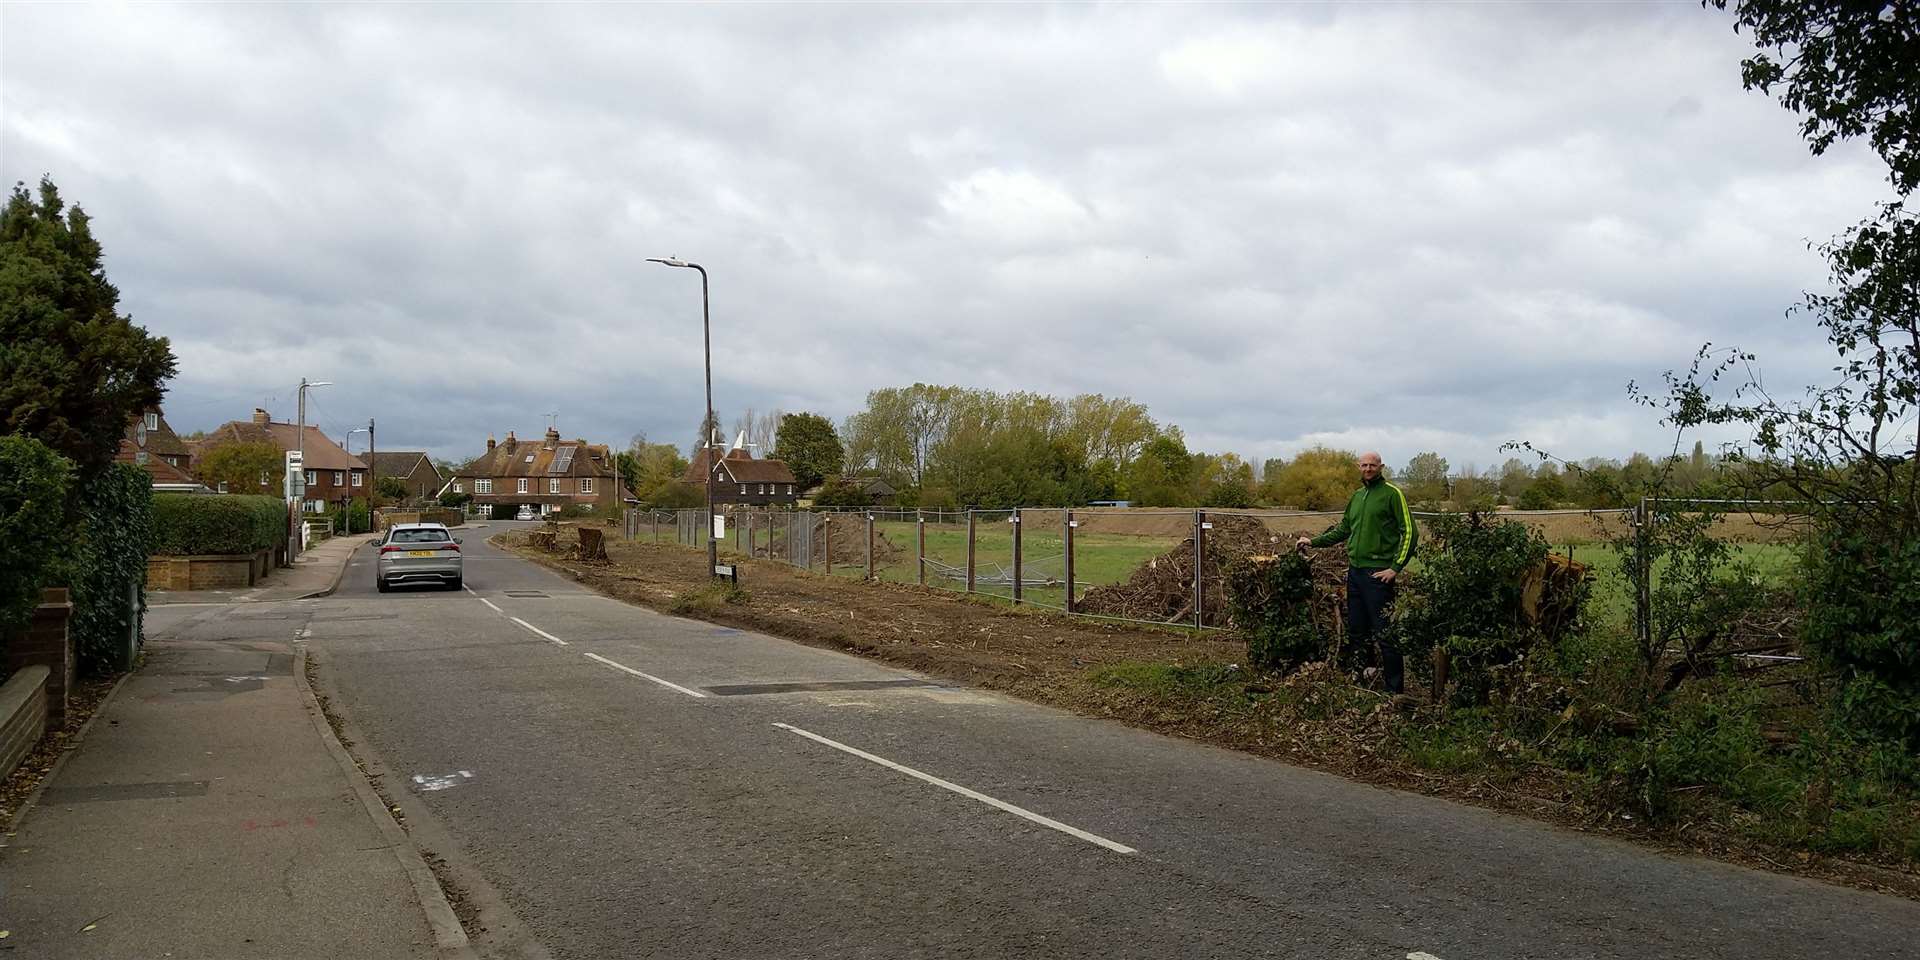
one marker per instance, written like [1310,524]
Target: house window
[140,458]
[480,486]
[743,489]
[763,489]
[263,478]
[789,489]
[457,488]
[523,485]
[586,485]
[173,461]
[553,485]
[356,479]
[312,478]
[153,421]
[223,486]
[339,479]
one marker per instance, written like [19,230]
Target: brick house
[152,446]
[414,468]
[741,479]
[333,477]
[549,475]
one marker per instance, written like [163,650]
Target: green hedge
[188,524]
[34,483]
[107,572]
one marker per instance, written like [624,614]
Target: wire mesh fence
[1157,566]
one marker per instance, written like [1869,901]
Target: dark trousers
[1368,603]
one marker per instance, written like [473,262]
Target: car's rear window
[419,536]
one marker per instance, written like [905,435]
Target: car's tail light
[450,546]
[391,549]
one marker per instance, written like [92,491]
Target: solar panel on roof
[562,459]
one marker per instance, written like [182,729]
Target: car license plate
[419,553]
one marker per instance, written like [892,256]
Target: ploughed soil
[1057,659]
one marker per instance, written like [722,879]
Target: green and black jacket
[1378,528]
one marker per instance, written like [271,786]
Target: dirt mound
[849,545]
[1162,589]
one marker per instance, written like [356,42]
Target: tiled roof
[321,453]
[160,440]
[157,468]
[738,466]
[398,463]
[529,458]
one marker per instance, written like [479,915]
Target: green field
[1101,559]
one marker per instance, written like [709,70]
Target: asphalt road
[604,781]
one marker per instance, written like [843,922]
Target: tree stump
[593,544]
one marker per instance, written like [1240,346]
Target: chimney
[489,443]
[553,437]
[260,417]
[510,440]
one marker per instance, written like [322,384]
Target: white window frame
[313,478]
[586,484]
[457,488]
[480,486]
[523,485]
[743,489]
[356,478]
[553,484]
[339,478]
[153,421]
[263,478]
[223,486]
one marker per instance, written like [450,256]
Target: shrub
[109,566]
[1863,617]
[1271,601]
[451,499]
[188,524]
[33,495]
[840,493]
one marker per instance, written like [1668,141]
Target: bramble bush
[1271,602]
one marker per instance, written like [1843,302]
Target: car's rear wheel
[455,583]
[380,584]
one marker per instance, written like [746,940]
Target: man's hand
[1384,576]
[1303,543]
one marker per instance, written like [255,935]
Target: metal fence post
[1642,577]
[869,546]
[826,541]
[969,549]
[1066,536]
[920,547]
[1199,568]
[1017,578]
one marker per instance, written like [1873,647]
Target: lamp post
[301,436]
[347,448]
[707,426]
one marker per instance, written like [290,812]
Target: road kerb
[60,762]
[450,939]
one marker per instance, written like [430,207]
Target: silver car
[418,553]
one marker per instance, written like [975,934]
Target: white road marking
[1421,956]
[441,782]
[537,630]
[490,604]
[647,676]
[963,791]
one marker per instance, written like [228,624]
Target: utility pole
[373,472]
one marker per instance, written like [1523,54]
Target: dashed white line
[1421,956]
[1023,813]
[490,604]
[647,676]
[539,631]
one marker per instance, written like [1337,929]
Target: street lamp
[707,427]
[305,385]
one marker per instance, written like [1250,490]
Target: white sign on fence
[719,527]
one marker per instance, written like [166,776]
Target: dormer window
[153,421]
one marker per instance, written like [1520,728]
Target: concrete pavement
[313,574]
[211,813]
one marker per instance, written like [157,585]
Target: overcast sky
[1403,226]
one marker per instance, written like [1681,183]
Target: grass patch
[709,599]
[1199,681]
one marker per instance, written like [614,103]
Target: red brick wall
[45,644]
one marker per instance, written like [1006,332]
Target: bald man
[1379,532]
